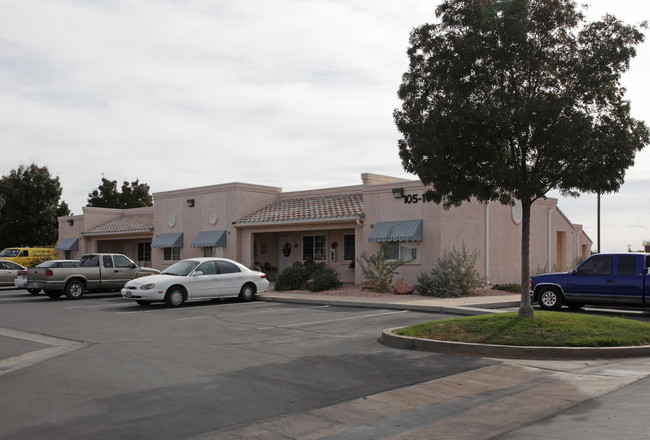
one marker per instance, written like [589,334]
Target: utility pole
[598,226]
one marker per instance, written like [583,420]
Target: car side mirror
[197,273]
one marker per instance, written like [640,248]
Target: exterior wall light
[398,193]
[190,203]
[71,221]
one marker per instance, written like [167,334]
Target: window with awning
[210,239]
[397,230]
[168,240]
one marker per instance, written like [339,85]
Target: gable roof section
[127,223]
[320,208]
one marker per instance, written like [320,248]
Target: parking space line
[95,307]
[195,317]
[332,320]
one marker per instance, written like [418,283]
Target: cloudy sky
[291,93]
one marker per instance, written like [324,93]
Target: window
[226,267]
[213,252]
[627,265]
[401,250]
[122,262]
[208,268]
[171,254]
[108,262]
[348,247]
[89,261]
[144,251]
[597,265]
[313,248]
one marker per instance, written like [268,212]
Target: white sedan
[197,279]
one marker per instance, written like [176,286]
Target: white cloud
[290,93]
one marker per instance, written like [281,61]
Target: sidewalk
[472,305]
[513,399]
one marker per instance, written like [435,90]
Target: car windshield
[9,253]
[181,269]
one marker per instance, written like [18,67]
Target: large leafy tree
[29,207]
[505,100]
[132,195]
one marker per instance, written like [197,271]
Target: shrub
[508,287]
[454,276]
[291,278]
[324,278]
[378,271]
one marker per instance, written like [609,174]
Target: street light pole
[598,225]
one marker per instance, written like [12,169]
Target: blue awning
[68,244]
[210,239]
[399,230]
[168,240]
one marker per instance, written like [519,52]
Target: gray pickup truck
[96,272]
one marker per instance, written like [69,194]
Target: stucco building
[262,226]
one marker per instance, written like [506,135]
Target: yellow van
[25,255]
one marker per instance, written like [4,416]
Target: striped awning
[399,230]
[210,239]
[168,240]
[68,244]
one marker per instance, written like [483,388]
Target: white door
[287,253]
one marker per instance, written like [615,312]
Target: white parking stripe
[195,317]
[332,320]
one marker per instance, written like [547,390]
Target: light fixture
[71,221]
[190,202]
[398,193]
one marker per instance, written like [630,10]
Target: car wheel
[54,294]
[144,303]
[175,296]
[74,289]
[247,293]
[549,298]
[34,291]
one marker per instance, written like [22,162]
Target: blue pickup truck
[602,279]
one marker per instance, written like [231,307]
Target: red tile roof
[328,207]
[127,223]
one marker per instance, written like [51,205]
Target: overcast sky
[297,94]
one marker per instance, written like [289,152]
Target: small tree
[378,270]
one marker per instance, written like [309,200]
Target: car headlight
[147,286]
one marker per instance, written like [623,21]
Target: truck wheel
[74,289]
[175,296]
[33,291]
[549,298]
[247,293]
[54,294]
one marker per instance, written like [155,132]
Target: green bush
[509,287]
[378,271]
[291,278]
[324,278]
[453,277]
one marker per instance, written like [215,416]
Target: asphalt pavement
[509,399]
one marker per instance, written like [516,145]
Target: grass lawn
[551,329]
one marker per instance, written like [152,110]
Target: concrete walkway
[513,399]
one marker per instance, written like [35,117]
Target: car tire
[143,303]
[247,293]
[75,289]
[34,291]
[175,296]
[53,294]
[549,298]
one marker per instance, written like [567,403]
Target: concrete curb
[513,352]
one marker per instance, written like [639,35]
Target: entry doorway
[285,257]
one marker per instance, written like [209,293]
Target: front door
[207,283]
[593,281]
[286,257]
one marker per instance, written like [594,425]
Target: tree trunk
[525,308]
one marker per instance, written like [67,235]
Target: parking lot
[137,372]
[103,368]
